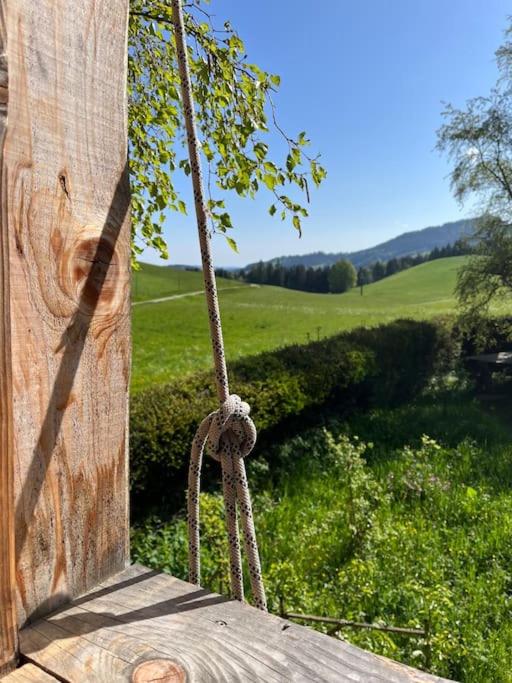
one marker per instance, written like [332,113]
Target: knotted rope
[228,433]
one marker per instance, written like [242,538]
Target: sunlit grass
[411,531]
[171,338]
[152,282]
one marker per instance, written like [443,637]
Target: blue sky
[366,79]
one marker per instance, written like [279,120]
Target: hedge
[381,365]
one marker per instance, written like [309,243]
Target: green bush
[415,536]
[378,366]
[484,335]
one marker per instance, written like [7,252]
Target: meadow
[152,282]
[400,516]
[170,339]
[394,514]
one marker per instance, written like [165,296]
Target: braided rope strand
[228,433]
[250,543]
[230,511]
[194,479]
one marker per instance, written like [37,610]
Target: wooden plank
[28,673]
[143,618]
[66,201]
[8,631]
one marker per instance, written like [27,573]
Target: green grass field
[152,282]
[171,338]
[413,531]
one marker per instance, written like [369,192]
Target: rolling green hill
[171,338]
[151,282]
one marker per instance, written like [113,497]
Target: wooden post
[64,295]
[8,635]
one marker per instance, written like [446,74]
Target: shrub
[378,366]
[419,538]
[484,335]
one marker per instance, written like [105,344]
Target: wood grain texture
[142,615]
[28,673]
[64,178]
[7,561]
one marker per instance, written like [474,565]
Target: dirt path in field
[182,296]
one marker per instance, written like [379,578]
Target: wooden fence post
[64,304]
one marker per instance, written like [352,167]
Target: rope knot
[231,429]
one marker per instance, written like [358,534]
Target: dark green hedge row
[383,365]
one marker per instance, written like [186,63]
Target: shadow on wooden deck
[142,616]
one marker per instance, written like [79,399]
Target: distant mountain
[407,244]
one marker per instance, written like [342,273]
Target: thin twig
[347,623]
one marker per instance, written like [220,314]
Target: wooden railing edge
[142,621]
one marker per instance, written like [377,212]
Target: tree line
[381,269]
[340,276]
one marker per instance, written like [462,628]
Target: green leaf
[293,159]
[207,151]
[185,166]
[260,149]
[272,209]
[232,244]
[225,220]
[302,139]
[270,181]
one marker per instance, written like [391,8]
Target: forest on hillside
[319,279]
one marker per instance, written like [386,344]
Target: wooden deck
[142,625]
[29,673]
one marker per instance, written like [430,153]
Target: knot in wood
[231,429]
[161,670]
[92,272]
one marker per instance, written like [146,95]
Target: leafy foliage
[488,273]
[396,527]
[342,277]
[235,112]
[487,335]
[383,365]
[404,529]
[478,139]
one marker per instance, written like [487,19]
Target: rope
[228,433]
